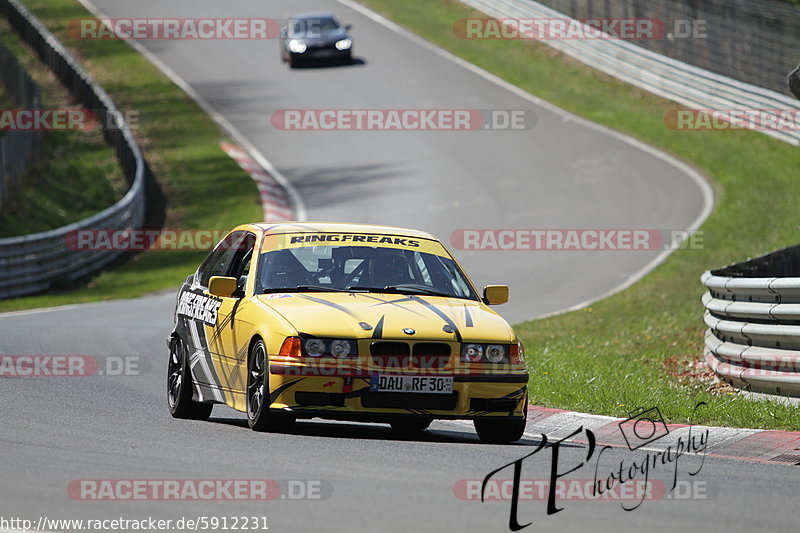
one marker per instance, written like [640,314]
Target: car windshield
[361,269]
[312,26]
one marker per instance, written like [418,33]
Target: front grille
[402,400]
[390,354]
[431,355]
[398,355]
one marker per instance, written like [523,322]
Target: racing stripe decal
[199,364]
[273,395]
[329,304]
[395,303]
[516,393]
[467,317]
[378,333]
[441,314]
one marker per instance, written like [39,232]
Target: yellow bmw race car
[346,322]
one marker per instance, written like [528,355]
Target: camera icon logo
[643,427]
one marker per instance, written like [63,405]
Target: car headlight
[495,353]
[297,47]
[472,353]
[338,348]
[486,353]
[344,44]
[314,347]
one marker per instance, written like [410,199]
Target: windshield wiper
[402,289]
[309,288]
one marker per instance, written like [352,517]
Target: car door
[232,332]
[198,316]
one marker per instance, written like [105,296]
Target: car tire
[292,61]
[259,415]
[179,386]
[411,426]
[502,430]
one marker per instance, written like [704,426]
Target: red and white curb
[274,199]
[756,445]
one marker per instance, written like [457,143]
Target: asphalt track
[56,430]
[559,174]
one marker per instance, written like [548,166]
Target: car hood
[385,316]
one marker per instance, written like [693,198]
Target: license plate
[421,384]
[324,53]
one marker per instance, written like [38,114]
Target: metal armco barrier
[33,263]
[754,41]
[669,78]
[17,148]
[752,310]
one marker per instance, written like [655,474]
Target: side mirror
[348,27]
[284,32]
[493,294]
[222,286]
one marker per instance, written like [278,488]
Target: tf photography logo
[643,428]
[617,477]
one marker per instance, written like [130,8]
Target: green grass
[202,186]
[74,175]
[640,348]
[68,181]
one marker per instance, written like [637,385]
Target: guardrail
[754,41]
[17,148]
[33,263]
[752,310]
[669,78]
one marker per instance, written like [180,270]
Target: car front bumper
[351,397]
[314,55]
